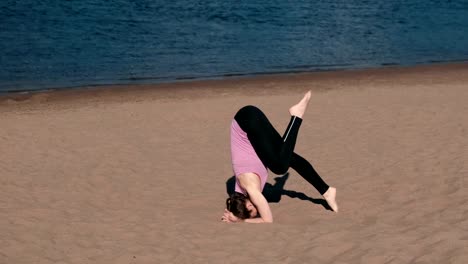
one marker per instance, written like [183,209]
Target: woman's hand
[228,217]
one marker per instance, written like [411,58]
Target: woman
[256,146]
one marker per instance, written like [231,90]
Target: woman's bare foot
[330,197]
[300,108]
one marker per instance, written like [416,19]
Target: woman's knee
[248,111]
[280,168]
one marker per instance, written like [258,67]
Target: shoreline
[231,77]
[266,84]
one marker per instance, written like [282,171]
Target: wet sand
[137,174]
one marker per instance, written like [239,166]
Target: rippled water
[51,43]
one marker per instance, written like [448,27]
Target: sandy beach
[138,174]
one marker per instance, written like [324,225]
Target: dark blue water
[56,43]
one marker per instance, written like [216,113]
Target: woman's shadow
[274,192]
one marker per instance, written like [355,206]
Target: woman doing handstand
[255,147]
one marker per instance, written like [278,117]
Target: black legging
[276,152]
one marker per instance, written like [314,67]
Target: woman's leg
[273,150]
[305,169]
[276,152]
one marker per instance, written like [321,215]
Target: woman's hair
[236,205]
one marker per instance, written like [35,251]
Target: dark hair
[236,205]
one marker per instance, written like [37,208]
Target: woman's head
[240,205]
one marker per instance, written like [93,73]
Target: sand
[137,174]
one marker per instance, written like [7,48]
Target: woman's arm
[254,221]
[263,208]
[228,217]
[251,183]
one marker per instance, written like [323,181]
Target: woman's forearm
[256,221]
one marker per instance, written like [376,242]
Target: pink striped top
[243,156]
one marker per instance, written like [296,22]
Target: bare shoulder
[249,179]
